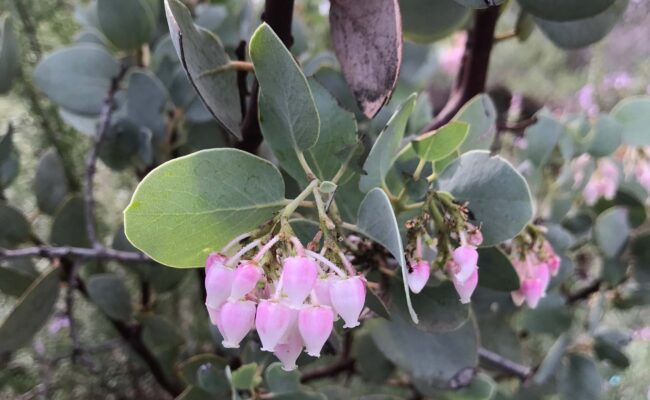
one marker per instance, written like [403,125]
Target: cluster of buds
[534,266]
[462,265]
[603,183]
[293,312]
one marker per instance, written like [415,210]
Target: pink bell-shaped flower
[418,276]
[465,259]
[467,287]
[214,315]
[532,291]
[215,259]
[553,261]
[247,274]
[322,291]
[348,297]
[289,351]
[272,321]
[315,324]
[474,235]
[218,284]
[236,319]
[299,275]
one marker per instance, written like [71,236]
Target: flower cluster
[603,183]
[534,266]
[462,265]
[637,164]
[293,312]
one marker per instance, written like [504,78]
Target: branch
[510,367]
[585,292]
[278,14]
[51,252]
[91,162]
[472,75]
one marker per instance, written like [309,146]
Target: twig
[473,71]
[512,368]
[91,162]
[585,292]
[51,252]
[517,127]
[29,27]
[69,310]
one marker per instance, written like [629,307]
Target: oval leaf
[481,115]
[9,56]
[542,137]
[565,10]
[15,227]
[111,296]
[193,205]
[497,272]
[50,185]
[69,226]
[287,106]
[607,136]
[426,21]
[128,24]
[367,39]
[497,194]
[582,32]
[377,221]
[634,114]
[612,231]
[441,143]
[580,379]
[30,312]
[201,53]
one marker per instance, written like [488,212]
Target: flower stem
[418,169]
[233,242]
[295,203]
[327,262]
[234,259]
[266,248]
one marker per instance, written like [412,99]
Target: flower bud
[348,296]
[466,288]
[553,261]
[322,291]
[532,290]
[272,321]
[289,351]
[465,259]
[315,324]
[298,277]
[474,235]
[419,276]
[236,319]
[246,276]
[218,284]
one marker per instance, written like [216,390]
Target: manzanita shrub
[349,242]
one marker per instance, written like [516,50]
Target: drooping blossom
[534,268]
[315,324]
[418,275]
[247,274]
[348,297]
[603,183]
[299,275]
[236,319]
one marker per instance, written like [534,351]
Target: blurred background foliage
[580,80]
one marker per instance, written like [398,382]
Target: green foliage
[128,24]
[9,54]
[111,296]
[208,198]
[441,143]
[633,114]
[428,21]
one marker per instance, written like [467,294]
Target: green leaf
[609,344]
[51,184]
[641,258]
[376,304]
[30,312]
[441,143]
[482,387]
[246,377]
[542,137]
[15,227]
[122,144]
[580,33]
[426,21]
[207,199]
[551,316]
[287,106]
[146,98]
[207,372]
[434,359]
[9,54]
[111,296]
[481,115]
[497,194]
[606,136]
[201,53]
[565,10]
[69,225]
[580,379]
[437,308]
[367,40]
[496,270]
[384,152]
[552,360]
[14,282]
[128,24]
[370,361]
[633,113]
[77,78]
[377,221]
[280,381]
[612,230]
[338,136]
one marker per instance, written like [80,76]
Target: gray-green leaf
[111,296]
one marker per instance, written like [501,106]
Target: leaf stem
[233,242]
[413,206]
[325,220]
[295,203]
[418,169]
[344,166]
[232,65]
[303,163]
[350,227]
